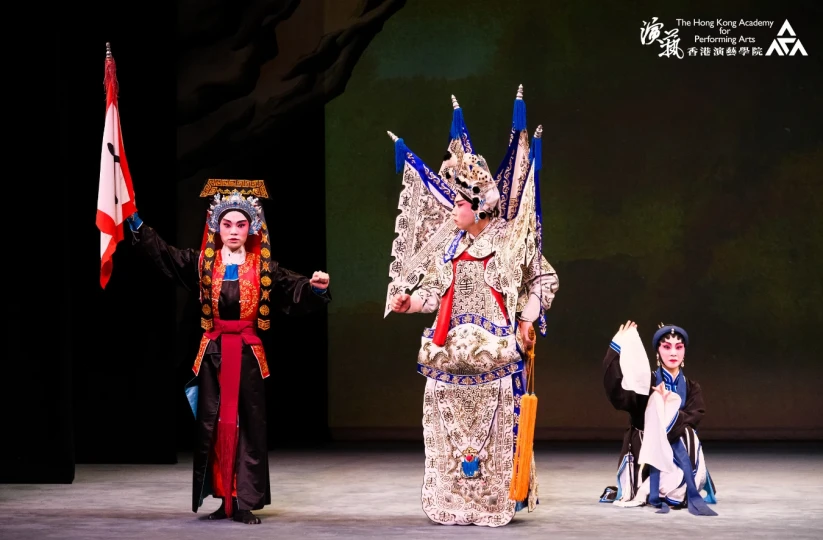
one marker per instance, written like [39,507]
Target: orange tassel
[521,470]
[521,474]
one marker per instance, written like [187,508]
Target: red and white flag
[115,196]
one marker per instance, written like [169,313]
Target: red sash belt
[233,335]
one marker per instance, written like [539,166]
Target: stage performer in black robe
[239,286]
[662,463]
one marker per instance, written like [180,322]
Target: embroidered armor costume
[480,337]
[480,287]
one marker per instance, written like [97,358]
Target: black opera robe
[291,294]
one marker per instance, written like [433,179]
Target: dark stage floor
[372,491]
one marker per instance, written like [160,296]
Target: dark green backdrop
[678,190]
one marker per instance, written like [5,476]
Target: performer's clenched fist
[527,334]
[400,303]
[319,280]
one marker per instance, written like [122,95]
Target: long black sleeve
[180,265]
[691,414]
[293,294]
[620,398]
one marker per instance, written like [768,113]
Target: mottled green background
[685,191]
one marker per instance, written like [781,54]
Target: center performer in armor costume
[487,280]
[239,286]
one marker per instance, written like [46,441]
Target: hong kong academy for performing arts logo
[721,37]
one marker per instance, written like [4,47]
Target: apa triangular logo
[781,44]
